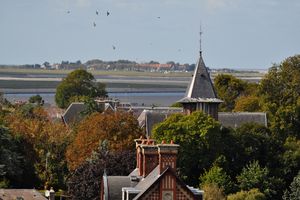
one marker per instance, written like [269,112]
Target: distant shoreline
[109,90]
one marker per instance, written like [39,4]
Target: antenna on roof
[200,42]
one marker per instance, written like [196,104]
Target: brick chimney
[167,155]
[150,157]
[139,155]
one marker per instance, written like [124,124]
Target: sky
[242,34]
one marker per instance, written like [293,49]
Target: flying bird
[113,47]
[97,13]
[94,24]
[68,12]
[107,13]
[158,17]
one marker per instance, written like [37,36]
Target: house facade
[154,177]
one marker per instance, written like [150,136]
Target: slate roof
[72,114]
[144,184]
[149,119]
[200,88]
[115,184]
[26,194]
[236,119]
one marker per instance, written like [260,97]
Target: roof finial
[200,33]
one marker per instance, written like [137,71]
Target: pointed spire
[201,85]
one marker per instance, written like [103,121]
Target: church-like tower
[200,94]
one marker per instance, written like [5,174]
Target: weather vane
[200,33]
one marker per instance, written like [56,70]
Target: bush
[253,194]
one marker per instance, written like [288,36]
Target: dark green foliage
[10,160]
[91,107]
[84,183]
[228,89]
[290,159]
[294,191]
[255,176]
[36,99]
[256,142]
[176,105]
[78,83]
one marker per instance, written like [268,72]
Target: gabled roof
[201,85]
[146,184]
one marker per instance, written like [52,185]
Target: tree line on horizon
[249,162]
[97,64]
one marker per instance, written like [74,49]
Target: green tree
[78,83]
[200,138]
[256,142]
[36,99]
[213,192]
[255,176]
[229,89]
[280,93]
[10,159]
[290,159]
[253,194]
[216,175]
[247,104]
[294,191]
[91,107]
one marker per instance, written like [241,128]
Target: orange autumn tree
[41,139]
[119,129]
